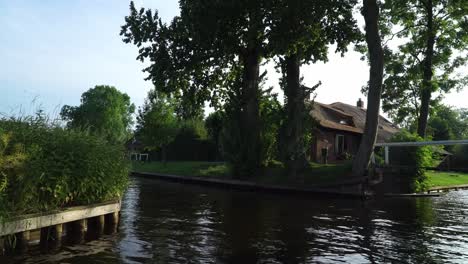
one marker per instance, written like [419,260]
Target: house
[135,149]
[339,130]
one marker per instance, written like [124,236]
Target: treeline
[213,52]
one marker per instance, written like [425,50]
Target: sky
[53,50]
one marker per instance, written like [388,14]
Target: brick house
[339,130]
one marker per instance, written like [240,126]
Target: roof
[345,117]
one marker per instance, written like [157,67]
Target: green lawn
[438,178]
[316,174]
[184,168]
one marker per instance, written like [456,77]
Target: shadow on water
[165,222]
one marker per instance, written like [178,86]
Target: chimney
[360,103]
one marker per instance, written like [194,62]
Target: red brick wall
[325,138]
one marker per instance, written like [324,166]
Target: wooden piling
[78,230]
[100,224]
[56,233]
[112,222]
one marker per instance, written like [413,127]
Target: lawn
[439,178]
[184,168]
[316,174]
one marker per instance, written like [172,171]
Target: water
[174,223]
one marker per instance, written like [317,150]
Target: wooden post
[95,227]
[56,233]
[112,222]
[78,230]
[101,220]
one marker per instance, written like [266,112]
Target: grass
[184,168]
[439,179]
[316,174]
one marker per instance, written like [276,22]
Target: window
[339,144]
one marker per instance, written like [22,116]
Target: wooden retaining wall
[49,228]
[349,189]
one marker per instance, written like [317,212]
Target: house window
[339,144]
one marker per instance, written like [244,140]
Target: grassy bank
[44,166]
[442,179]
[316,174]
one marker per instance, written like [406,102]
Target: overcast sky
[53,50]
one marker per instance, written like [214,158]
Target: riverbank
[440,179]
[317,174]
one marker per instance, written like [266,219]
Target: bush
[44,166]
[411,162]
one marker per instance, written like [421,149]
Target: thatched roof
[345,117]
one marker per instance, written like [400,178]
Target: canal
[173,223]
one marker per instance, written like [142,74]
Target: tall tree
[434,39]
[103,110]
[157,124]
[174,68]
[300,32]
[205,42]
[370,11]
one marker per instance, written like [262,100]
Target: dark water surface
[174,223]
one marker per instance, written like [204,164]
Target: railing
[415,144]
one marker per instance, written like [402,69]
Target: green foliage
[431,43]
[271,116]
[192,129]
[104,110]
[230,137]
[460,157]
[44,166]
[157,123]
[448,123]
[412,162]
[214,125]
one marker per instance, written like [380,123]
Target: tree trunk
[427,78]
[250,114]
[293,133]
[374,44]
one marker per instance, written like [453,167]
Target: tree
[104,110]
[300,32]
[448,123]
[370,11]
[157,123]
[434,47]
[200,47]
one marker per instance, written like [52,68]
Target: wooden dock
[49,228]
[448,188]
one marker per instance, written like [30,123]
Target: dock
[49,229]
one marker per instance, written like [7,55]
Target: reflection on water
[172,223]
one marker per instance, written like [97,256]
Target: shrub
[411,161]
[44,166]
